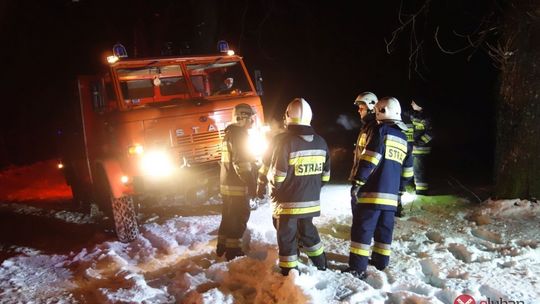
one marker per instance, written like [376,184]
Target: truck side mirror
[258,82]
[98,103]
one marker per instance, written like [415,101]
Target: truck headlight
[156,164]
[258,141]
[136,149]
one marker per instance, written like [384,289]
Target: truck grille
[200,147]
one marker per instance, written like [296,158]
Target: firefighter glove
[356,185]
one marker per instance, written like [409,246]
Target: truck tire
[120,209]
[125,218]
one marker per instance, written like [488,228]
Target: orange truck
[153,128]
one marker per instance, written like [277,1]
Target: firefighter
[237,182]
[385,164]
[409,133]
[366,103]
[299,167]
[422,145]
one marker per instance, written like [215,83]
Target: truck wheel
[125,219]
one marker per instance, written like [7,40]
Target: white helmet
[388,108]
[242,111]
[298,113]
[368,98]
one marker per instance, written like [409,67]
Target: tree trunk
[517,155]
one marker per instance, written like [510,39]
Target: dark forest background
[324,51]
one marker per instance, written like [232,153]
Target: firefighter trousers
[234,217]
[371,224]
[291,231]
[420,173]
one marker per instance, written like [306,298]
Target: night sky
[324,51]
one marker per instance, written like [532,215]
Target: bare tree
[509,35]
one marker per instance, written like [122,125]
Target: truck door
[93,105]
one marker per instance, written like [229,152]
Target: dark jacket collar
[300,130]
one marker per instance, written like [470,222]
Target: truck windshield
[219,78]
[151,84]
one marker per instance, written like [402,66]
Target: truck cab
[153,127]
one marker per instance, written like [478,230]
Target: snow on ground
[443,248]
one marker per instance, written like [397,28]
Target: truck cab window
[135,89]
[215,78]
[173,86]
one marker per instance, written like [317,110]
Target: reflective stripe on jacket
[299,167]
[385,166]
[237,173]
[423,134]
[366,132]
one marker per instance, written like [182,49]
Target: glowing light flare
[258,141]
[407,198]
[60,166]
[136,149]
[157,164]
[124,179]
[230,52]
[112,59]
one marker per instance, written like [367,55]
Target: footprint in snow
[487,235]
[460,252]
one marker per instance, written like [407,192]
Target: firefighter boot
[399,211]
[319,261]
[233,253]
[220,250]
[285,270]
[374,262]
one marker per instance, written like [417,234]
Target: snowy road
[444,247]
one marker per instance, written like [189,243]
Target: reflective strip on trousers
[290,261]
[378,198]
[315,250]
[421,150]
[360,249]
[407,172]
[295,211]
[421,186]
[382,249]
[233,243]
[221,239]
[233,190]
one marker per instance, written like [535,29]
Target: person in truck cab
[226,87]
[237,182]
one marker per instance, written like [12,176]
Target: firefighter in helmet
[385,166]
[299,166]
[366,104]
[237,182]
[409,133]
[422,140]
